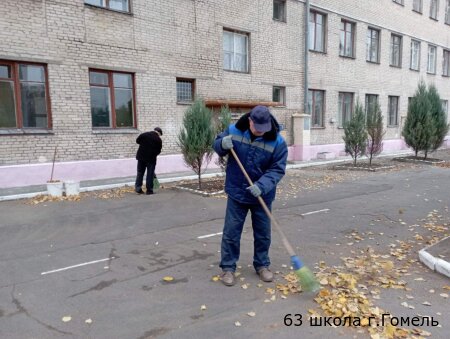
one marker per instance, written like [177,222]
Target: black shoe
[148,192]
[139,191]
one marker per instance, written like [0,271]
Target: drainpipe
[306,69]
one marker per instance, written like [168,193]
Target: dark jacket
[150,145]
[264,160]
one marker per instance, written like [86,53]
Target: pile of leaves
[43,198]
[115,193]
[351,289]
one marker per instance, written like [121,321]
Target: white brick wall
[162,40]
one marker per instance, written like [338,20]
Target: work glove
[227,143]
[254,190]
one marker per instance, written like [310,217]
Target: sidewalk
[25,192]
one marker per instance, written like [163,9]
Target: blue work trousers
[234,223]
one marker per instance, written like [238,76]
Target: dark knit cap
[159,130]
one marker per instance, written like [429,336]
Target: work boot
[228,278]
[139,191]
[265,274]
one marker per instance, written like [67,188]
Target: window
[279,95]
[317,27]
[112,99]
[417,6]
[396,50]
[345,107]
[346,43]
[371,103]
[431,67]
[235,51]
[415,55]
[117,5]
[373,45]
[400,2]
[393,111]
[24,95]
[434,9]
[185,90]
[444,104]
[316,99]
[446,63]
[279,10]
[447,12]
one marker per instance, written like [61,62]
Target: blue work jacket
[264,159]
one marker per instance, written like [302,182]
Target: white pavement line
[79,265]
[314,212]
[209,235]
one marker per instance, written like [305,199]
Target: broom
[305,277]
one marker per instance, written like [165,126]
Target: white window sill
[25,131]
[115,131]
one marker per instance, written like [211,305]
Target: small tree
[196,137]
[355,134]
[375,132]
[419,128]
[223,122]
[438,117]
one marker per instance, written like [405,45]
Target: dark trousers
[231,238]
[141,167]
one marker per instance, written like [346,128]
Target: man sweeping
[256,140]
[150,145]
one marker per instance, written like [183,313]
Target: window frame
[400,56]
[370,95]
[110,86]
[281,103]
[435,59]
[446,63]
[447,12]
[284,3]
[372,29]
[324,31]
[107,6]
[236,32]
[15,78]
[418,55]
[193,88]
[312,112]
[437,9]
[341,123]
[342,50]
[444,104]
[389,124]
[420,10]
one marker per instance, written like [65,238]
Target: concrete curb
[433,263]
[108,186]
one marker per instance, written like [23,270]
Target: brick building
[87,76]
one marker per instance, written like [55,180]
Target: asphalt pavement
[95,268]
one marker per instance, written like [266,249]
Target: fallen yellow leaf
[168,278]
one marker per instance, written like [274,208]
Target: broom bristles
[307,280]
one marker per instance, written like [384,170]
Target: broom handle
[265,208]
